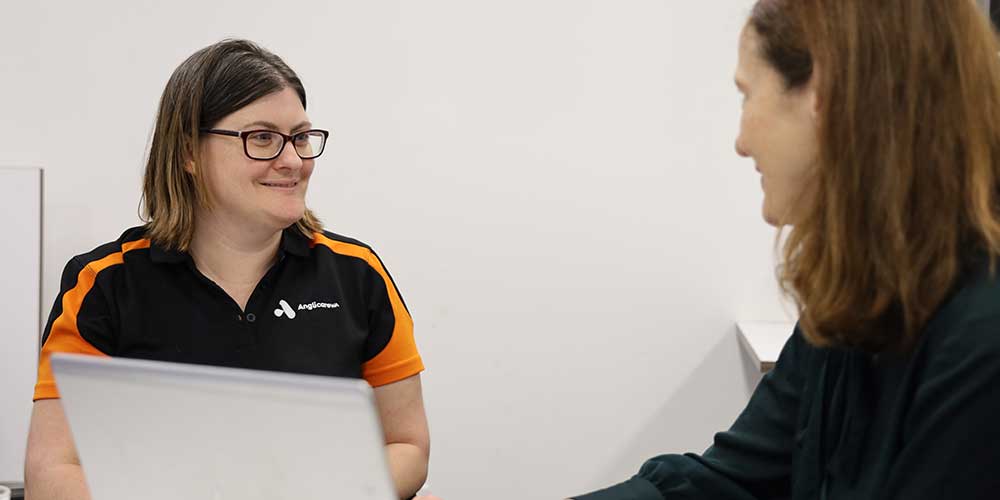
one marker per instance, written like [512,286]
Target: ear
[192,154]
[814,103]
[812,88]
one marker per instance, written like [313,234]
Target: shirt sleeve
[80,322]
[390,351]
[951,440]
[751,461]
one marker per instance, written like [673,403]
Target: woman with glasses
[231,268]
[875,127]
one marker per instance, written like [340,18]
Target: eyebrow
[272,126]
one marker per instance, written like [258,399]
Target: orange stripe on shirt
[64,336]
[399,359]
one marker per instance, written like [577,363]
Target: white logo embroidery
[318,305]
[285,309]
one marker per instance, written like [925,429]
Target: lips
[280,184]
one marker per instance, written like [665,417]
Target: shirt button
[251,317]
[239,317]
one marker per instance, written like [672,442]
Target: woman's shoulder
[341,250]
[133,238]
[338,245]
[331,238]
[969,321]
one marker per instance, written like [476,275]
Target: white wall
[552,184]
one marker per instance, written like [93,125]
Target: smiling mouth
[287,184]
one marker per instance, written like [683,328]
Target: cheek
[748,130]
[218,168]
[796,155]
[785,195]
[209,172]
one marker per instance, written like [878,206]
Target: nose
[288,158]
[740,150]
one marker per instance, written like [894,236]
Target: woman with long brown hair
[232,269]
[876,129]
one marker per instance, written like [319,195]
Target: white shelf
[20,298]
[763,340]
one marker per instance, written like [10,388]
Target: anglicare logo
[286,309]
[318,305]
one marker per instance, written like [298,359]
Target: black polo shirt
[326,307]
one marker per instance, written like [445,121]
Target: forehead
[751,66]
[749,48]
[282,107]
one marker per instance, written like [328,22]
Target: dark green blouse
[844,424]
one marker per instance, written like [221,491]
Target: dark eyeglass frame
[244,134]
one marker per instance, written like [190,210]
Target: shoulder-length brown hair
[906,182]
[211,84]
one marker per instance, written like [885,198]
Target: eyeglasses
[268,144]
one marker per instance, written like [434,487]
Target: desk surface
[763,340]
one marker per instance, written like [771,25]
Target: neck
[230,254]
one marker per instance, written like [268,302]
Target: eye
[301,139]
[263,138]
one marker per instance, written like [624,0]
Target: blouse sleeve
[751,461]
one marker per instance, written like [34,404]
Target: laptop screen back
[155,430]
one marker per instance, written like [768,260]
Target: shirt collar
[292,242]
[160,254]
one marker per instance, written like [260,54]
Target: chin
[284,220]
[769,217]
[289,211]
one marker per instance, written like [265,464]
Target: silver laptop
[155,430]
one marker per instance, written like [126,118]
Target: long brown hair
[209,85]
[906,183]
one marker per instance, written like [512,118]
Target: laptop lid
[156,430]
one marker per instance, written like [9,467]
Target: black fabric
[158,306]
[844,424]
